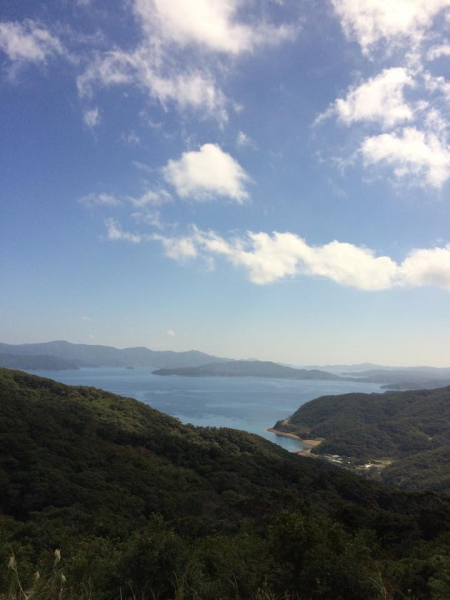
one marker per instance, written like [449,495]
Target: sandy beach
[309,444]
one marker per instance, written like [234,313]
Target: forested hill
[137,505]
[408,431]
[249,368]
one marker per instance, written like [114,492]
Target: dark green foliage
[410,428]
[141,506]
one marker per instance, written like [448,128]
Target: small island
[250,368]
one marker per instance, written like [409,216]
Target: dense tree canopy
[140,506]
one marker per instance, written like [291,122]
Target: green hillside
[409,431]
[137,505]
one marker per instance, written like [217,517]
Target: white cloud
[131,138]
[180,249]
[211,24]
[102,199]
[186,88]
[244,141]
[170,332]
[116,234]
[149,217]
[270,258]
[154,197]
[28,42]
[91,117]
[427,267]
[207,174]
[419,155]
[397,21]
[437,51]
[379,99]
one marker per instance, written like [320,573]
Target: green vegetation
[105,498]
[409,429]
[250,368]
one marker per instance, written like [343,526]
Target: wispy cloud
[28,42]
[91,117]
[115,233]
[102,199]
[151,197]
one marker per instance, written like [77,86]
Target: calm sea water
[248,403]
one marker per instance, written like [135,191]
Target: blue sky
[264,179]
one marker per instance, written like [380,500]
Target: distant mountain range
[86,355]
[246,368]
[62,355]
[37,362]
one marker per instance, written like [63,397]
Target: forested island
[108,498]
[250,368]
[404,436]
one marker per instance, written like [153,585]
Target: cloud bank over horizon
[269,258]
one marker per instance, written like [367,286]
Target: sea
[249,403]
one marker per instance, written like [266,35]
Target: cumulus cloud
[270,258]
[170,332]
[402,21]
[207,174]
[210,24]
[380,99]
[102,199]
[28,42]
[413,153]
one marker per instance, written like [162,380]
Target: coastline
[308,444]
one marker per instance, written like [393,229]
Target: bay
[248,403]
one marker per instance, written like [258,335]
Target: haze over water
[248,403]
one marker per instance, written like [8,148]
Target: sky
[251,178]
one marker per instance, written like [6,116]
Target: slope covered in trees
[410,431]
[137,505]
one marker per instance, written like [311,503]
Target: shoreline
[308,444]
